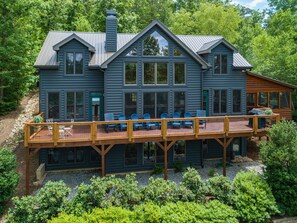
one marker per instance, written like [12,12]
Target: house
[85,75]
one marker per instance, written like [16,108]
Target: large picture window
[131,154]
[155,73]
[53,105]
[220,64]
[152,153]
[130,73]
[236,100]
[75,105]
[220,101]
[179,73]
[130,103]
[284,100]
[155,103]
[179,102]
[155,45]
[74,63]
[273,100]
[263,99]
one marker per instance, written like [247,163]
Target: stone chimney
[111,31]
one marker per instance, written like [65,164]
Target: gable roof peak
[207,47]
[73,36]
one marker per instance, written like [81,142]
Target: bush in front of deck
[279,155]
[9,178]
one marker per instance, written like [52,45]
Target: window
[75,105]
[131,154]
[179,73]
[251,100]
[95,157]
[220,64]
[130,103]
[179,152]
[284,100]
[152,153]
[263,99]
[53,156]
[53,105]
[155,73]
[75,155]
[132,52]
[236,100]
[179,102]
[74,63]
[273,100]
[155,103]
[130,73]
[155,45]
[177,52]
[220,101]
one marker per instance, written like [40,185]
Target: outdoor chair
[176,124]
[201,113]
[49,127]
[136,125]
[188,123]
[69,129]
[123,126]
[165,115]
[109,117]
[149,125]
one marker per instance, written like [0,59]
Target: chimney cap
[111,13]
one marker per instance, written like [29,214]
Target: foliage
[279,155]
[211,173]
[220,188]
[179,212]
[294,115]
[157,170]
[178,166]
[106,192]
[253,198]
[8,176]
[37,119]
[47,203]
[193,182]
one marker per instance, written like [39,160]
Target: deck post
[27,170]
[93,131]
[226,125]
[55,133]
[224,157]
[102,160]
[277,119]
[130,130]
[165,161]
[196,127]
[164,128]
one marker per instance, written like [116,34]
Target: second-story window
[155,73]
[220,101]
[130,73]
[220,64]
[74,63]
[179,73]
[155,45]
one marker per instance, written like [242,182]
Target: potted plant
[37,119]
[268,112]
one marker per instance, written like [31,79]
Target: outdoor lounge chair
[201,113]
[176,124]
[109,117]
[123,126]
[188,123]
[165,115]
[149,125]
[136,125]
[69,129]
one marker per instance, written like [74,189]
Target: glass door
[96,106]
[205,102]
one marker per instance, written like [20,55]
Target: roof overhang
[200,60]
[73,36]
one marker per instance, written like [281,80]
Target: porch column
[27,170]
[165,161]
[224,157]
[102,160]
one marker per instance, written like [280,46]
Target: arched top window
[155,45]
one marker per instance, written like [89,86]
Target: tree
[279,155]
[283,4]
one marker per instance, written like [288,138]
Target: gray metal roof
[47,55]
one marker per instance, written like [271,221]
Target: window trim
[241,107]
[220,55]
[74,66]
[84,101]
[155,74]
[47,108]
[220,113]
[136,75]
[185,73]
[156,100]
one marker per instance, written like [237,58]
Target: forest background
[267,38]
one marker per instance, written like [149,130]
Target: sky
[253,4]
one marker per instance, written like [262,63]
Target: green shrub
[220,188]
[193,182]
[294,115]
[179,212]
[47,203]
[8,176]
[279,155]
[105,192]
[178,166]
[211,173]
[252,198]
[157,170]
[37,119]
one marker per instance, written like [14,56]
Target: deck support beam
[102,160]
[27,170]
[225,143]
[166,148]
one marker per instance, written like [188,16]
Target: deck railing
[95,131]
